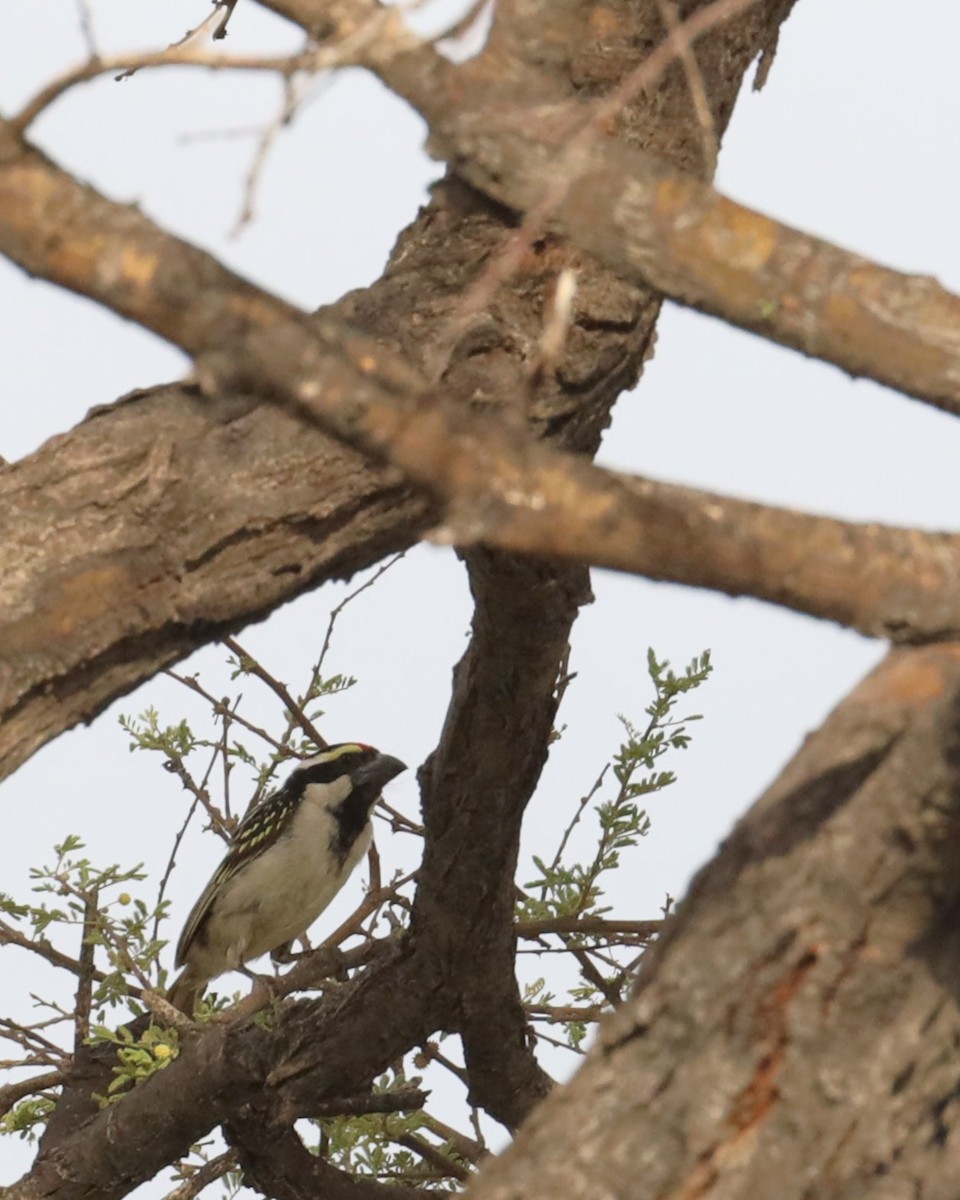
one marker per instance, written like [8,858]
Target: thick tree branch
[475,788]
[335,516]
[500,489]
[155,527]
[285,511]
[276,1162]
[811,970]
[658,226]
[632,211]
[67,232]
[315,1052]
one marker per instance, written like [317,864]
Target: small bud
[123,898]
[162,1051]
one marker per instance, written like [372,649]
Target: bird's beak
[378,772]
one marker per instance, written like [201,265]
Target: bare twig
[220,750]
[609,991]
[227,718]
[203,1176]
[293,94]
[433,1155]
[545,1037]
[176,766]
[709,141]
[227,6]
[85,977]
[41,1048]
[373,867]
[124,65]
[351,48]
[171,862]
[462,1145]
[252,667]
[335,612]
[397,821]
[603,926]
[220,708]
[430,1050]
[85,18]
[13,937]
[574,821]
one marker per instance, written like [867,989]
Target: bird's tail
[185,992]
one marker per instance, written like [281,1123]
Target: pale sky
[853,139]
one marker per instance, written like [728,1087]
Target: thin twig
[218,822]
[709,142]
[431,1051]
[228,6]
[545,1037]
[13,937]
[581,809]
[252,667]
[587,925]
[558,1014]
[608,990]
[85,18]
[335,612]
[45,1051]
[266,137]
[433,1155]
[459,1142]
[398,822]
[85,977]
[171,863]
[189,681]
[203,1176]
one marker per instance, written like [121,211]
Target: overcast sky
[853,139]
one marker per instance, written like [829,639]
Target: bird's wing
[258,827]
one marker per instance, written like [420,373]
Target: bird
[290,856]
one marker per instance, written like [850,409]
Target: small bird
[289,858]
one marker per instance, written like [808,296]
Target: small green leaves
[28,1117]
[137,1058]
[146,733]
[565,889]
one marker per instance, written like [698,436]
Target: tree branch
[500,489]
[812,969]
[474,790]
[276,1162]
[658,226]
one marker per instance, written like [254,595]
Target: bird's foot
[264,987]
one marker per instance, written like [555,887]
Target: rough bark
[489,758]
[150,529]
[794,1033]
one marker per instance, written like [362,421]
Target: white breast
[274,901]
